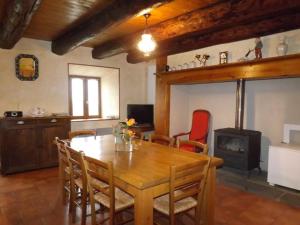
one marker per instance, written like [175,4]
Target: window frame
[85,97]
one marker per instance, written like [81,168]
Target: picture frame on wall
[27,67]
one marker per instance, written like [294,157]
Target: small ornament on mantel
[258,47]
[223,57]
[245,58]
[282,47]
[202,59]
[167,68]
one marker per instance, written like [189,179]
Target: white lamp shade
[146,44]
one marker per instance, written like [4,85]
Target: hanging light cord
[147,15]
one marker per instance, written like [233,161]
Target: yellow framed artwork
[27,67]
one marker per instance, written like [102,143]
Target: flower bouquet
[123,135]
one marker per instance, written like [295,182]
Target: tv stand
[143,129]
[143,125]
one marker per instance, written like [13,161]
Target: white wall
[151,82]
[269,103]
[179,109]
[50,90]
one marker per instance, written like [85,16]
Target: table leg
[143,208]
[208,206]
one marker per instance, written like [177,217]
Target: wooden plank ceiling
[112,26]
[55,17]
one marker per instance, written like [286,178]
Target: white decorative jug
[282,47]
[38,112]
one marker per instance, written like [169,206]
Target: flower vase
[121,144]
[282,47]
[128,145]
[118,140]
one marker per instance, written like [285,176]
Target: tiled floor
[33,198]
[257,184]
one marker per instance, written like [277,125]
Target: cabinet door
[19,150]
[48,152]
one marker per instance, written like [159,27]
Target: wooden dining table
[144,172]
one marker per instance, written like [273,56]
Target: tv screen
[143,114]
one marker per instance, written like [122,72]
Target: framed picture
[223,56]
[27,67]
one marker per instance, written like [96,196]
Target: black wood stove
[239,148]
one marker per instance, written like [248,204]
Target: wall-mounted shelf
[269,68]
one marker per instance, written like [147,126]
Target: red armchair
[199,130]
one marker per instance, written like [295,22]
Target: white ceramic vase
[282,47]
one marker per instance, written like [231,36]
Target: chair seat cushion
[161,204]
[122,199]
[186,147]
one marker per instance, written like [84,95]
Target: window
[85,97]
[97,85]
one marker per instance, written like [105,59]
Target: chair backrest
[100,172]
[200,126]
[61,148]
[187,181]
[76,165]
[192,146]
[161,139]
[77,133]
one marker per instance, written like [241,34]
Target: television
[143,114]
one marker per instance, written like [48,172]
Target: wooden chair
[78,181]
[192,146]
[186,190]
[161,139]
[109,197]
[64,169]
[77,133]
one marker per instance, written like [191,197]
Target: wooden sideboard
[26,143]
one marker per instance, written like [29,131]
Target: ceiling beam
[236,33]
[18,14]
[215,17]
[116,13]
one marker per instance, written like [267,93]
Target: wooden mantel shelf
[269,68]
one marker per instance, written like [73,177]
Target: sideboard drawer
[53,121]
[18,123]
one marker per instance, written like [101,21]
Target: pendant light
[147,44]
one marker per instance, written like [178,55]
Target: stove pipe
[240,102]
